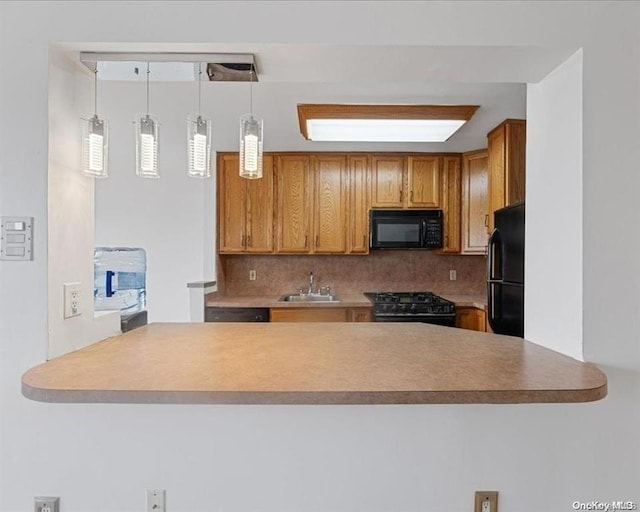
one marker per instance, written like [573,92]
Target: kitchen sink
[309,298]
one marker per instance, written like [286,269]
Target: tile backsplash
[379,271]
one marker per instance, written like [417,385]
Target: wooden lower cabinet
[320,314]
[474,319]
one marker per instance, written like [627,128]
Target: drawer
[224,314]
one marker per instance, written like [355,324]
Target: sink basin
[309,298]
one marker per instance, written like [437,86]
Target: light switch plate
[16,238]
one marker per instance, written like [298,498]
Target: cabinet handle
[400,195]
[364,240]
[411,197]
[486,220]
[317,241]
[306,241]
[244,240]
[249,240]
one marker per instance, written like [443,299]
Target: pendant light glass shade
[95,140]
[199,146]
[250,147]
[95,147]
[147,128]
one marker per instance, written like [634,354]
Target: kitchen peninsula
[309,363]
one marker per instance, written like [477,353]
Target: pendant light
[199,139]
[147,130]
[250,140]
[95,140]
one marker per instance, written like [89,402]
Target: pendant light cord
[251,90]
[148,88]
[199,87]
[95,91]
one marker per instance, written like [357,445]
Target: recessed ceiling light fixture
[382,123]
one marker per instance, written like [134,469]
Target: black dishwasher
[225,314]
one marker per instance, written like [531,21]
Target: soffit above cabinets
[171,66]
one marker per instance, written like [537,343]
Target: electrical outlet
[453,275]
[72,300]
[47,504]
[155,500]
[486,501]
[252,275]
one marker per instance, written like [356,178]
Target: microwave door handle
[423,233]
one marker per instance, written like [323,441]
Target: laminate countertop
[349,300]
[306,363]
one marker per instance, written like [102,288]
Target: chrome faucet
[311,283]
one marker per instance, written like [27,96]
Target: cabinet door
[330,204]
[470,318]
[259,210]
[387,179]
[506,145]
[231,206]
[496,152]
[294,204]
[475,217]
[515,156]
[424,181]
[359,315]
[308,315]
[359,192]
[451,194]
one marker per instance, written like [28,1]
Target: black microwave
[405,229]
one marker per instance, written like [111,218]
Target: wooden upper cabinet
[424,181]
[245,208]
[475,218]
[259,212]
[294,203]
[231,205]
[359,200]
[451,195]
[506,165]
[387,181]
[330,204]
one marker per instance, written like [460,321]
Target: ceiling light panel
[382,123]
[382,130]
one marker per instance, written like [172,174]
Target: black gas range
[425,307]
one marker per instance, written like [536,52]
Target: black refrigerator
[505,261]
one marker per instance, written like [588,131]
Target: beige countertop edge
[314,397]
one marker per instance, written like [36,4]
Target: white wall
[540,457]
[554,210]
[71,227]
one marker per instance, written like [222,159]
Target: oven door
[396,232]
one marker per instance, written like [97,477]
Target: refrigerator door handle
[493,240]
[491,278]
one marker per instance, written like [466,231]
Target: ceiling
[492,77]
